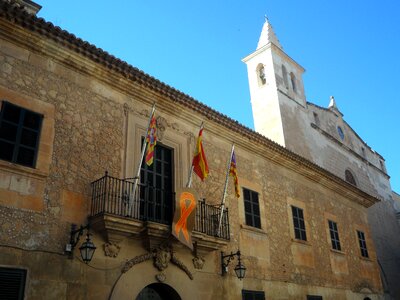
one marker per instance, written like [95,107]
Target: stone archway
[158,291]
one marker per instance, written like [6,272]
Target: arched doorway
[158,291]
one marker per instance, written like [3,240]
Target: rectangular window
[298,224]
[333,230]
[313,297]
[12,283]
[19,134]
[251,208]
[253,295]
[156,193]
[363,244]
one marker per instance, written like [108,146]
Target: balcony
[117,213]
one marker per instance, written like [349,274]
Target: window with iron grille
[333,230]
[363,244]
[298,224]
[19,134]
[253,295]
[251,208]
[156,193]
[12,283]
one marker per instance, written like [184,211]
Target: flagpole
[225,189]
[141,159]
[189,182]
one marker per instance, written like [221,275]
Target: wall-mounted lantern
[86,249]
[240,269]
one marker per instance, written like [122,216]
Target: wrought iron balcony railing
[111,195]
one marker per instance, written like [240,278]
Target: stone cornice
[46,39]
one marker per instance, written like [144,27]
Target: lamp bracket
[226,259]
[75,235]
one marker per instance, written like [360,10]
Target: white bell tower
[276,88]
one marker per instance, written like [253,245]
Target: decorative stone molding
[127,109]
[161,277]
[136,260]
[111,249]
[198,262]
[162,124]
[161,256]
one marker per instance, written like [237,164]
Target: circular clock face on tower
[340,132]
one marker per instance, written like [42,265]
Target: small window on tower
[316,118]
[382,166]
[349,177]
[285,77]
[363,151]
[261,75]
[293,80]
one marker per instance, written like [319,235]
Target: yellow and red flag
[200,165]
[233,173]
[151,140]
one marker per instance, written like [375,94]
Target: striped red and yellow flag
[233,173]
[151,140]
[200,165]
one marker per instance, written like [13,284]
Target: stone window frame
[256,187]
[362,243]
[334,235]
[46,139]
[21,143]
[299,224]
[331,217]
[302,205]
[180,143]
[252,213]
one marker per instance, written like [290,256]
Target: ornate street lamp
[240,269]
[86,249]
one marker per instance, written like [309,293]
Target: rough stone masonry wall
[88,141]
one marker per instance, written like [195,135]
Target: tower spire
[268,35]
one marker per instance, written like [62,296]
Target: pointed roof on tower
[268,36]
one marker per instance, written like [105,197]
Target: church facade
[72,124]
[321,135]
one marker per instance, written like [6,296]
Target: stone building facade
[282,113]
[71,112]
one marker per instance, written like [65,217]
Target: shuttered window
[12,283]
[253,295]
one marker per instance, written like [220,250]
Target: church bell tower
[276,88]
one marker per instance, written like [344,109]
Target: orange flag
[151,140]
[200,165]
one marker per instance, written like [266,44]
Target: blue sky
[350,49]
